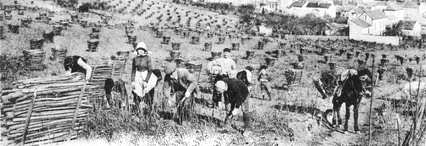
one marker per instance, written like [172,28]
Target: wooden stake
[30,110]
[78,106]
[371,104]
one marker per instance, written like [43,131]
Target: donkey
[353,89]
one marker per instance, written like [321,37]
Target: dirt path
[328,136]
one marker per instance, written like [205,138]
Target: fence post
[371,104]
[27,122]
[76,109]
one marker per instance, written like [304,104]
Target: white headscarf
[221,85]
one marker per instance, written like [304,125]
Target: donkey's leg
[336,115]
[356,110]
[347,116]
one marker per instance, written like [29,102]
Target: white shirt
[227,66]
[84,65]
[249,75]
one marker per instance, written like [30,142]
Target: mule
[353,89]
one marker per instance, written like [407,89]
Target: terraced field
[293,117]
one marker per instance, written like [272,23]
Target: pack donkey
[354,87]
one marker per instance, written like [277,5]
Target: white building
[319,9]
[410,28]
[394,12]
[234,2]
[370,22]
[414,10]
[269,5]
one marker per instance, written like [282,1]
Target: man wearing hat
[142,80]
[326,80]
[221,68]
[228,65]
[181,84]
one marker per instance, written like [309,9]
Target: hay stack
[92,45]
[293,76]
[59,54]
[207,47]
[36,43]
[2,32]
[14,28]
[119,63]
[34,59]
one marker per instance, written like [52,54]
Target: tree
[395,30]
[245,19]
[246,9]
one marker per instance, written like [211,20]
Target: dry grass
[290,119]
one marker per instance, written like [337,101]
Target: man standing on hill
[219,69]
[229,66]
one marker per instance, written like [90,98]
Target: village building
[320,9]
[370,22]
[414,10]
[410,28]
[394,12]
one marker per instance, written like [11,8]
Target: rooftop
[376,14]
[297,4]
[411,4]
[361,23]
[393,7]
[406,24]
[318,5]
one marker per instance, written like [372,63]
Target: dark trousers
[183,107]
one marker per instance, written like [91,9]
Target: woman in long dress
[143,80]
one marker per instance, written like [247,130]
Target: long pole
[27,121]
[371,104]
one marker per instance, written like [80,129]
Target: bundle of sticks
[101,73]
[34,59]
[119,63]
[45,110]
[59,54]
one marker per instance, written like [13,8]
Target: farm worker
[180,84]
[141,76]
[245,76]
[228,65]
[214,70]
[343,76]
[235,92]
[77,64]
[326,80]
[264,80]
